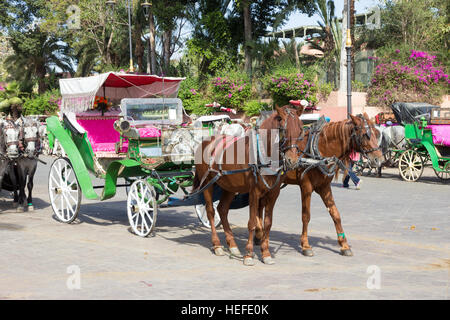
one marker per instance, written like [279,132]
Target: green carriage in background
[427,134]
[136,133]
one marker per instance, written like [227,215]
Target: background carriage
[137,133]
[427,136]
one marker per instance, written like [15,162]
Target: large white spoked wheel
[410,165]
[200,210]
[443,175]
[64,190]
[142,208]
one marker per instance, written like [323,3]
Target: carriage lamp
[146,5]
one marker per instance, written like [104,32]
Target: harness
[329,165]
[254,168]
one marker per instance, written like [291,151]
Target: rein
[357,139]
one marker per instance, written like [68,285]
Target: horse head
[290,131]
[30,135]
[10,139]
[365,138]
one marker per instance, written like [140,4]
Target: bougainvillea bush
[194,100]
[418,78]
[285,85]
[231,90]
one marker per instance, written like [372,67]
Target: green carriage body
[151,165]
[421,149]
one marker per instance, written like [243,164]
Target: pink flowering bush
[285,85]
[231,90]
[416,77]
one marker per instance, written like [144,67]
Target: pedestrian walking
[353,157]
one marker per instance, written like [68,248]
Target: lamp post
[111,4]
[348,47]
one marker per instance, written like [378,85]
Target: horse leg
[254,205]
[223,208]
[327,198]
[30,186]
[306,191]
[259,233]
[268,213]
[217,247]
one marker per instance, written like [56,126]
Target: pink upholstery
[103,137]
[100,133]
[441,134]
[149,132]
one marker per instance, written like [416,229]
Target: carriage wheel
[64,190]
[410,165]
[200,210]
[142,208]
[444,175]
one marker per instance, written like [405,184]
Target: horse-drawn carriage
[427,135]
[136,132]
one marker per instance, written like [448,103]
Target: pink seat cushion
[103,137]
[149,132]
[441,134]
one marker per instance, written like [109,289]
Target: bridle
[10,142]
[30,138]
[357,139]
[283,139]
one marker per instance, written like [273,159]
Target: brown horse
[240,174]
[336,139]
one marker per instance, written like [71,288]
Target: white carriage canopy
[78,94]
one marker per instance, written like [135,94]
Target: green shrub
[47,103]
[193,99]
[254,107]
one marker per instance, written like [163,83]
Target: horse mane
[338,130]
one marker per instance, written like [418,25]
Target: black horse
[30,147]
[9,153]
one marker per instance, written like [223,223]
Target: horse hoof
[249,261]
[235,252]
[20,209]
[346,252]
[219,251]
[307,252]
[268,260]
[30,208]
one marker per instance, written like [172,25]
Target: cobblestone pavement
[398,231]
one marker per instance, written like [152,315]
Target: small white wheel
[410,165]
[200,210]
[142,208]
[64,190]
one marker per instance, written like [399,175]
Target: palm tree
[35,55]
[331,34]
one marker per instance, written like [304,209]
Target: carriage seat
[441,134]
[103,137]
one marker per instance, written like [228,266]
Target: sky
[299,19]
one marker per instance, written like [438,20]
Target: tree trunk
[139,51]
[247,37]
[151,68]
[166,50]
[40,72]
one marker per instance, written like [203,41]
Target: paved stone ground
[400,228]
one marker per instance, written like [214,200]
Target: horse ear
[354,119]
[280,111]
[299,110]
